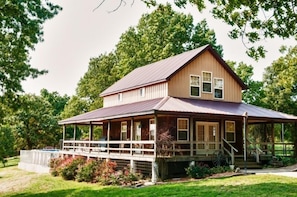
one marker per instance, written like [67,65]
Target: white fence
[36,160]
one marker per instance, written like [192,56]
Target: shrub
[55,164]
[198,171]
[106,173]
[219,169]
[70,166]
[87,172]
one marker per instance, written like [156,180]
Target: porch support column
[155,136]
[132,166]
[131,135]
[154,171]
[108,135]
[64,130]
[74,132]
[272,138]
[191,135]
[245,119]
[91,132]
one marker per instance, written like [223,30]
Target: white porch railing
[231,151]
[145,147]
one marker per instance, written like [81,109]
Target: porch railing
[145,147]
[254,149]
[230,150]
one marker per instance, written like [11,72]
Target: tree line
[29,121]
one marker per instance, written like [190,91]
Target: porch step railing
[253,148]
[230,150]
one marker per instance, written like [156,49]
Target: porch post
[64,130]
[132,166]
[245,117]
[91,132]
[131,135]
[108,135]
[155,136]
[154,171]
[272,136]
[74,132]
[191,135]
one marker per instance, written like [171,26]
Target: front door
[207,137]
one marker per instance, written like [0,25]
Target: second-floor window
[218,88]
[120,97]
[142,92]
[206,82]
[194,85]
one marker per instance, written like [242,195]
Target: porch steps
[249,164]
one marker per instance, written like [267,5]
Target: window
[152,129]
[206,82]
[120,97]
[123,130]
[182,129]
[218,88]
[195,85]
[230,131]
[142,92]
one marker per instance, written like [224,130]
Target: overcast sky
[78,33]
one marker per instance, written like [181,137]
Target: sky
[79,33]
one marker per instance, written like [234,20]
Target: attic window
[206,82]
[120,97]
[195,85]
[218,88]
[142,92]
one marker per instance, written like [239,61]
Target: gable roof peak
[163,70]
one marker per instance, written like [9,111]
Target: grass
[18,183]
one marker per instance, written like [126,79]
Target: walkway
[289,171]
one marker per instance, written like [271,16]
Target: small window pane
[206,76]
[230,137]
[194,81]
[218,93]
[183,124]
[183,135]
[195,91]
[206,87]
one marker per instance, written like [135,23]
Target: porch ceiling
[181,105]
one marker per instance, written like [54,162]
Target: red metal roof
[179,105]
[163,70]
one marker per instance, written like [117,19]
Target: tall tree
[6,143]
[280,81]
[255,93]
[20,29]
[158,35]
[57,102]
[35,126]
[251,21]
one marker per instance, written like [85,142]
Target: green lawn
[15,182]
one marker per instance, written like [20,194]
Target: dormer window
[195,85]
[218,88]
[142,92]
[120,97]
[206,82]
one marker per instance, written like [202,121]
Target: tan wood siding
[151,92]
[179,85]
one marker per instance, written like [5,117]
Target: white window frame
[196,86]
[124,130]
[182,130]
[142,92]
[120,97]
[152,129]
[227,131]
[204,81]
[218,88]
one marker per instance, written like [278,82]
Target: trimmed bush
[198,171]
[70,166]
[87,172]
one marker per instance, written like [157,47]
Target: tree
[255,93]
[158,35]
[57,102]
[35,126]
[20,29]
[280,81]
[75,106]
[251,21]
[6,143]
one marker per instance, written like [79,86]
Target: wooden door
[207,137]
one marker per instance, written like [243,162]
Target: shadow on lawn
[182,189]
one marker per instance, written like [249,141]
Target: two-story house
[178,110]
